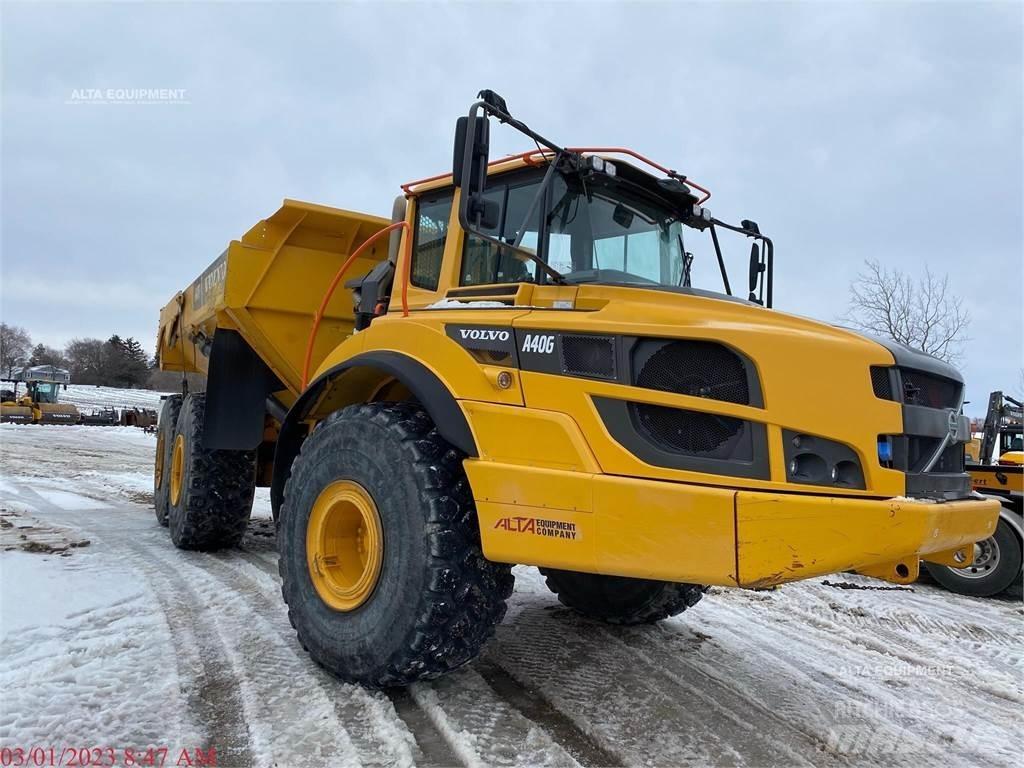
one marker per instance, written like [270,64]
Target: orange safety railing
[529,155]
[318,317]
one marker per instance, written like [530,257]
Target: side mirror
[754,271]
[485,213]
[470,155]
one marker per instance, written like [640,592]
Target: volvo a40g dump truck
[540,359]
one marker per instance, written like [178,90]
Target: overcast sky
[847,131]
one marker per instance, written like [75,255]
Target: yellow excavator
[996,468]
[39,403]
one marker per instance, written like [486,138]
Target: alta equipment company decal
[554,529]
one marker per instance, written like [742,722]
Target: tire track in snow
[483,729]
[535,707]
[352,702]
[289,723]
[808,663]
[628,707]
[432,749]
[214,698]
[330,727]
[529,723]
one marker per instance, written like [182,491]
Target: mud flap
[236,394]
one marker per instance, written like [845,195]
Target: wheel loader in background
[525,365]
[39,403]
[997,471]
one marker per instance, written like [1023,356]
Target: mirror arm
[721,260]
[770,259]
[541,189]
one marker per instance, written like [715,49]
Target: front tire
[210,492]
[430,600]
[620,600]
[997,566]
[162,464]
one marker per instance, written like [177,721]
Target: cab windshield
[603,233]
[588,228]
[45,391]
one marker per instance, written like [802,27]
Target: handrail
[528,155]
[334,284]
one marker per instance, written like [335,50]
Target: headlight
[812,460]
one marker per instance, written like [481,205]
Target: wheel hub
[986,558]
[177,468]
[344,545]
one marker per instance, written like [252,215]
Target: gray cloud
[848,131]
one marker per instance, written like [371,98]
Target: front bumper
[654,529]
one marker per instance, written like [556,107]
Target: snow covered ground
[113,639]
[87,397]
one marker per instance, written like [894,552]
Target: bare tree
[44,355]
[923,314]
[15,346]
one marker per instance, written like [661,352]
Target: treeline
[116,362]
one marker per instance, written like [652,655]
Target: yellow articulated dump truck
[540,359]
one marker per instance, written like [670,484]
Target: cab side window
[432,214]
[484,262]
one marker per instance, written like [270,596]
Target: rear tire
[217,487]
[435,599]
[162,464]
[620,600]
[997,566]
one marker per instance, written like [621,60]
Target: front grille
[928,390]
[696,368]
[911,452]
[689,432]
[589,356]
[881,382]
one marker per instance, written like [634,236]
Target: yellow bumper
[653,529]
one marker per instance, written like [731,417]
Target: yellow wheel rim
[344,545]
[158,468]
[177,468]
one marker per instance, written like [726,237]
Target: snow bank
[87,397]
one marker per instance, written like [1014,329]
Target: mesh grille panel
[928,390]
[881,383]
[697,368]
[589,356]
[691,432]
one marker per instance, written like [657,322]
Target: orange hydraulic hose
[334,284]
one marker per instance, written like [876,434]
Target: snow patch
[456,304]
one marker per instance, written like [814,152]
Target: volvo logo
[954,426]
[484,334]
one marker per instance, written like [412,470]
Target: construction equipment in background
[39,403]
[526,368]
[996,472]
[144,418]
[101,417]
[12,410]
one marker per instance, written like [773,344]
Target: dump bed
[268,287]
